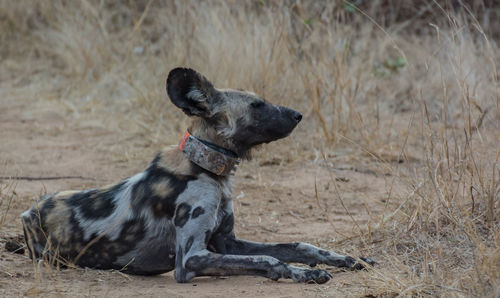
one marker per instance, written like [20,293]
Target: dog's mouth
[286,123]
[280,135]
[268,129]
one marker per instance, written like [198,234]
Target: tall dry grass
[407,88]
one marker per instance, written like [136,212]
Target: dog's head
[240,119]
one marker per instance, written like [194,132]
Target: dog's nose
[297,116]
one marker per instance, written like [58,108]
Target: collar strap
[207,155]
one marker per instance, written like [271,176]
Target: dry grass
[412,92]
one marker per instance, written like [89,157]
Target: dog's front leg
[193,259]
[206,263]
[292,252]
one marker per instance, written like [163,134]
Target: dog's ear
[191,92]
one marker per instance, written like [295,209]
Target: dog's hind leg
[293,252]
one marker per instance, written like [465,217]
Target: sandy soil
[274,201]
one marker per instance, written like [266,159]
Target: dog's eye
[257,104]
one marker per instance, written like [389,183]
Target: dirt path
[272,203]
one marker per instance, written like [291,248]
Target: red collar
[209,156]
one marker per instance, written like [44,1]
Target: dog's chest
[204,195]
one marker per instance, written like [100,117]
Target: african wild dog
[178,213]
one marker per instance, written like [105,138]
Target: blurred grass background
[404,88]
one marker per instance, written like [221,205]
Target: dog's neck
[209,156]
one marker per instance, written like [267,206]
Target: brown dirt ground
[274,201]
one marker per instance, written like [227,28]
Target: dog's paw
[354,265]
[319,276]
[369,261]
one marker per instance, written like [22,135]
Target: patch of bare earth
[275,201]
